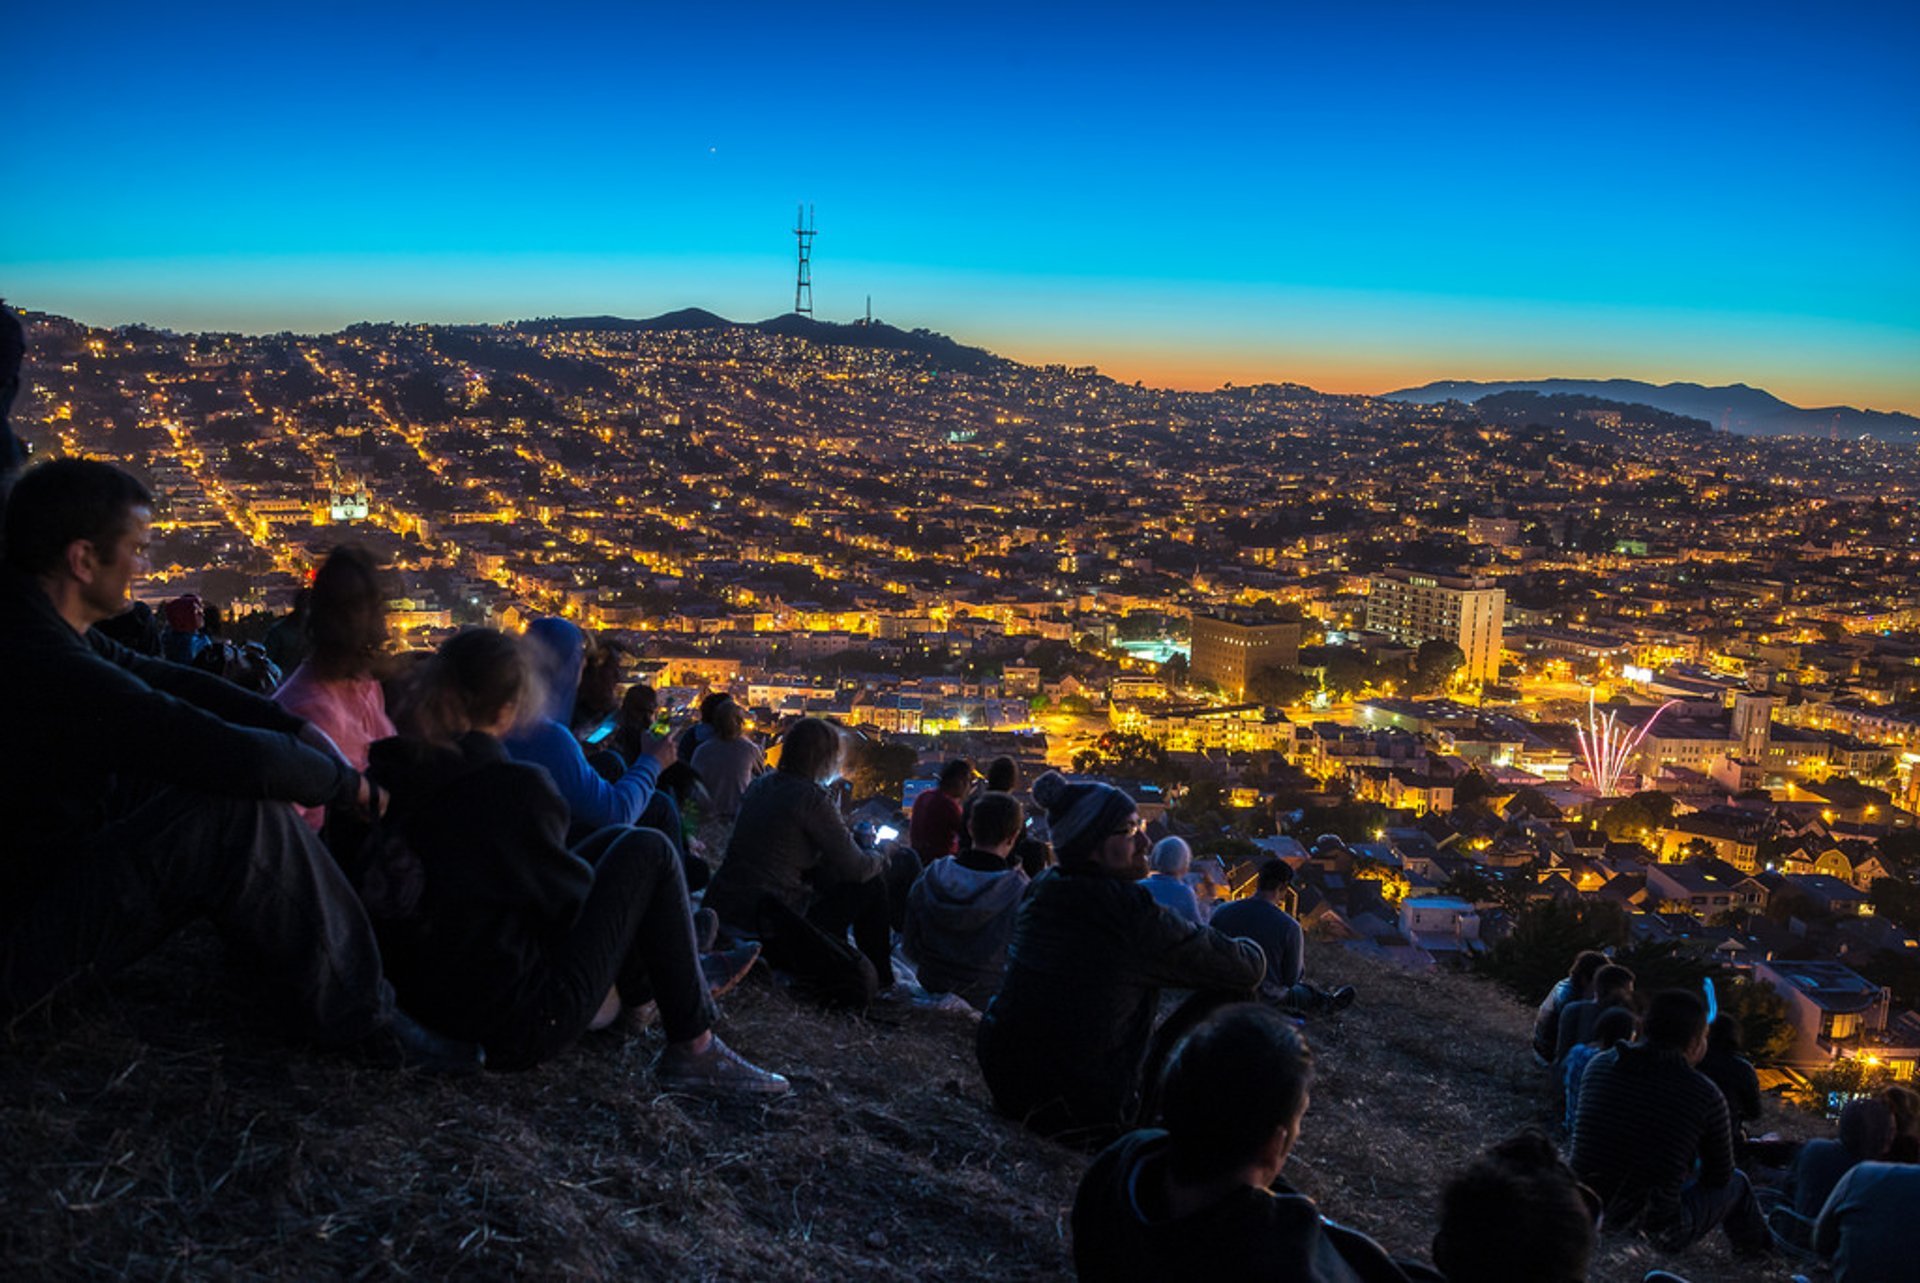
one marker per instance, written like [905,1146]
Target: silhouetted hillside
[948,353]
[1581,416]
[1741,408]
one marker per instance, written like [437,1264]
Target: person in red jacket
[934,831]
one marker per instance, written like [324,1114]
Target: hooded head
[558,649]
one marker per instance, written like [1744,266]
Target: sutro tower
[803,283]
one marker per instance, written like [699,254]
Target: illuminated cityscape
[1472,647]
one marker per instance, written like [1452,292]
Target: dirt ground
[147,1132]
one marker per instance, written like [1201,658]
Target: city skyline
[1358,203]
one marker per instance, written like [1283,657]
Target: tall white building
[1471,613]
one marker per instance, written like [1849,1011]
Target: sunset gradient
[1188,196]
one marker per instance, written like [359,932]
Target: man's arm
[593,801]
[841,858]
[1716,1138]
[216,695]
[1189,956]
[107,712]
[1826,1229]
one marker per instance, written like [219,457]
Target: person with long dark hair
[515,939]
[337,687]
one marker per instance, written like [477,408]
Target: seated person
[1612,987]
[1865,1132]
[934,828]
[1260,918]
[142,795]
[515,940]
[1615,1026]
[545,738]
[1652,1138]
[728,762]
[794,878]
[1904,1102]
[1003,776]
[1577,984]
[337,687]
[1867,1228]
[1734,1075]
[1203,1198]
[1516,1214]
[960,911]
[1169,861]
[1063,1044]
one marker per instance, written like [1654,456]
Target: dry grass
[148,1133]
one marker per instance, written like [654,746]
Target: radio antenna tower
[803,282]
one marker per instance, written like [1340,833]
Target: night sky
[1182,193]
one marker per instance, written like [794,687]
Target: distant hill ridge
[1743,409]
[877,334]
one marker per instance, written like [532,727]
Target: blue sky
[1187,194]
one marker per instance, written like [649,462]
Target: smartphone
[601,731]
[885,833]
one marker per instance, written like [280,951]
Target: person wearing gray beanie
[1081,815]
[1064,1045]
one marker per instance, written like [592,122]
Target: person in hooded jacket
[960,911]
[558,649]
[514,938]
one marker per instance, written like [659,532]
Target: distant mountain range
[877,334]
[1739,408]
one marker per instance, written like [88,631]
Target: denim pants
[252,868]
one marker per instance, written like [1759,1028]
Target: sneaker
[725,970]
[1342,998]
[717,1071]
[407,1044]
[706,929]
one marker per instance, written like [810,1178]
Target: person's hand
[371,799]
[313,737]
[665,750]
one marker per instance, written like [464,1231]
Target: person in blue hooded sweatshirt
[559,648]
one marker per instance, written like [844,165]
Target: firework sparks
[1608,746]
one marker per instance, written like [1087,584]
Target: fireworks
[1608,746]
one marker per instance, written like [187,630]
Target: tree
[1762,1013]
[1174,671]
[1129,756]
[1435,663]
[881,769]
[1346,672]
[1546,936]
[1632,818]
[1278,686]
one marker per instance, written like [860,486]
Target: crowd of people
[478,856]
[1657,1097]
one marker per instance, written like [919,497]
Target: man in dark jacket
[1063,1044]
[1646,1117]
[141,795]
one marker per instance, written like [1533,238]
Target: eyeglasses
[1130,828]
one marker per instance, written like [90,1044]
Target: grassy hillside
[146,1132]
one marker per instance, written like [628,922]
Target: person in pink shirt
[338,687]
